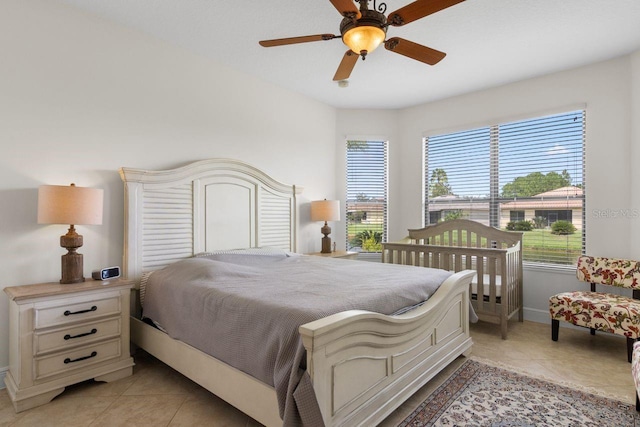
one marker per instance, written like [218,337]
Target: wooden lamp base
[72,261]
[326,240]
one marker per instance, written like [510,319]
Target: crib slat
[465,244]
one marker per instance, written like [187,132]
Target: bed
[361,365]
[495,255]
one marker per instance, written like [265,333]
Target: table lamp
[325,210]
[75,206]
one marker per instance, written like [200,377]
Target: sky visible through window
[465,156]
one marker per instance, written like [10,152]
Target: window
[366,204]
[549,217]
[516,216]
[529,170]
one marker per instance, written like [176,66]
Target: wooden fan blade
[295,40]
[347,8]
[418,9]
[346,65]
[414,50]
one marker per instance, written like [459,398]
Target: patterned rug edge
[446,393]
[578,387]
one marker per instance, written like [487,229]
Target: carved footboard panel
[363,365]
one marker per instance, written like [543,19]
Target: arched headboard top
[207,205]
[203,168]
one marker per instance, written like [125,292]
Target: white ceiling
[488,43]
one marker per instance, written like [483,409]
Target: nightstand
[337,254]
[65,334]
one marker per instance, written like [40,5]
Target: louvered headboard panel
[203,206]
[167,226]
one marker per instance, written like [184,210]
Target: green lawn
[353,229]
[541,245]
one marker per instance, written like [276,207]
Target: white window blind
[526,176]
[366,204]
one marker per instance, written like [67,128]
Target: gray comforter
[246,310]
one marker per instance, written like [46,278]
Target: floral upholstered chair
[601,311]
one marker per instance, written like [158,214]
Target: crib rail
[457,245]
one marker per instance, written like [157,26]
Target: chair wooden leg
[555,326]
[630,342]
[637,403]
[593,331]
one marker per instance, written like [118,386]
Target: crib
[495,255]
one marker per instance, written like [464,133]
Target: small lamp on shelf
[71,205]
[325,210]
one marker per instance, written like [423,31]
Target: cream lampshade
[325,210]
[74,206]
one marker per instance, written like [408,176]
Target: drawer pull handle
[70,337]
[93,354]
[69,313]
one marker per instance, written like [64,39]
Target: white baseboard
[542,316]
[536,315]
[3,373]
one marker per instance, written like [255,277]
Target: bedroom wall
[81,97]
[635,149]
[606,91]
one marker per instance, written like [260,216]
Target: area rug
[478,394]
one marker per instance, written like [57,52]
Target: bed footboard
[363,365]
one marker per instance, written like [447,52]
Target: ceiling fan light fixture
[362,30]
[363,38]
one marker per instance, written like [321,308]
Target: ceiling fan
[364,29]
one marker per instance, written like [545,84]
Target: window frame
[364,255]
[495,217]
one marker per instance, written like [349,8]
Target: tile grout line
[118,396]
[177,410]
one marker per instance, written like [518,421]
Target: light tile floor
[156,395]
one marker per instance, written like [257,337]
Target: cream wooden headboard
[203,206]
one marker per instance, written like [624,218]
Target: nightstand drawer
[74,310]
[64,361]
[73,336]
